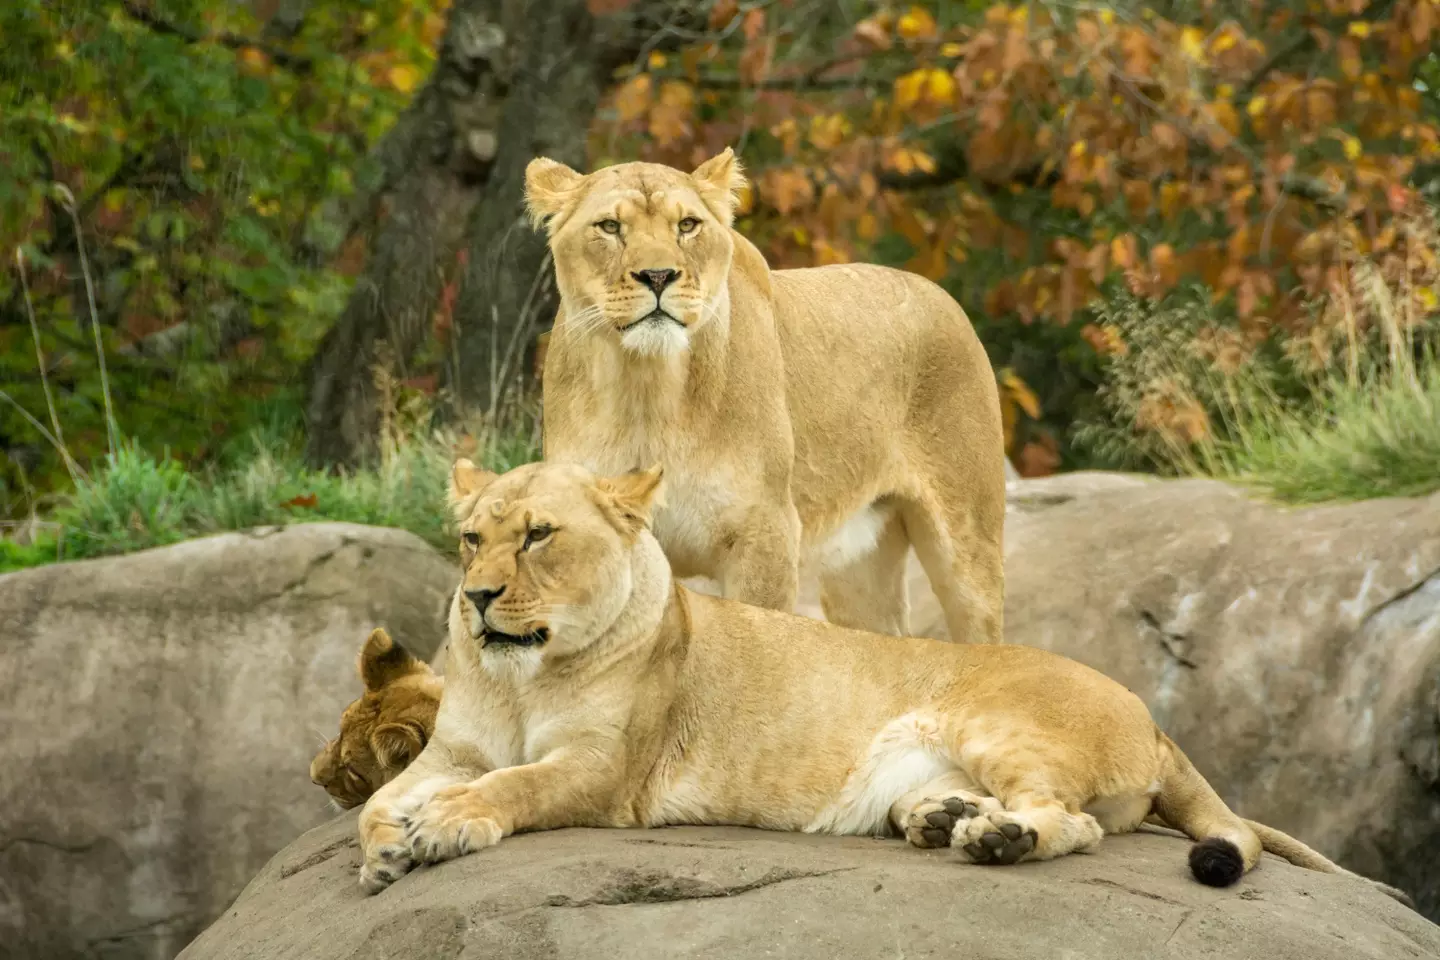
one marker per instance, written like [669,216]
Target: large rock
[160,712]
[732,894]
[1293,653]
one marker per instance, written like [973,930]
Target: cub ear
[397,744]
[719,181]
[466,480]
[383,661]
[632,496]
[550,187]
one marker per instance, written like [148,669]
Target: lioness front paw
[450,824]
[387,858]
[932,823]
[995,838]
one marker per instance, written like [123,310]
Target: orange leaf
[723,12]
[308,501]
[754,23]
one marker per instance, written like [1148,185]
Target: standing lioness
[586,688]
[831,416]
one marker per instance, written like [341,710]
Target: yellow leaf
[1359,29]
[403,77]
[951,50]
[1107,16]
[1223,42]
[64,51]
[126,243]
[1077,149]
[657,60]
[1192,43]
[1353,149]
[1256,106]
[916,23]
[1017,390]
[923,161]
[1428,298]
[1224,91]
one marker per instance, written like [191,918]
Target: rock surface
[1293,653]
[730,894]
[160,713]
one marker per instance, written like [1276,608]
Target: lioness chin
[586,688]
[826,418]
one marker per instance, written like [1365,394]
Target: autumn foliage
[1033,157]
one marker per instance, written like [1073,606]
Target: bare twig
[111,427]
[70,464]
[43,431]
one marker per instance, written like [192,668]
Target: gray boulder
[160,713]
[731,894]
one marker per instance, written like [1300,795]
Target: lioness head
[384,730]
[550,556]
[641,250]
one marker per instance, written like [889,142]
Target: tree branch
[290,61]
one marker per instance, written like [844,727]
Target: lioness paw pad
[383,866]
[932,823]
[983,841]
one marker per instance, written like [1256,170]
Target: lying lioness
[385,729]
[827,418]
[585,688]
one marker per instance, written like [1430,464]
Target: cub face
[641,250]
[546,553]
[385,729]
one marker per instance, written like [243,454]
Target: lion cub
[586,688]
[826,418]
[385,729]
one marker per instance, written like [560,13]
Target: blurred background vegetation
[266,259]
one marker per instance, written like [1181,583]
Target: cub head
[552,556]
[641,250]
[384,730]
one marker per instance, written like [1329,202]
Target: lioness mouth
[653,315]
[534,639]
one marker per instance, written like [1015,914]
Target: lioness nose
[483,598]
[656,280]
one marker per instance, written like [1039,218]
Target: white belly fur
[905,755]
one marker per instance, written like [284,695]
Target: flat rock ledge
[694,892]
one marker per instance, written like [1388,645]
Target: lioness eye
[536,534]
[471,539]
[689,225]
[609,226]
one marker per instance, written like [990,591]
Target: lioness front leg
[564,789]
[762,567]
[384,848]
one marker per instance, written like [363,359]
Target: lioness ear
[719,181]
[397,744]
[633,496]
[466,479]
[383,661]
[549,188]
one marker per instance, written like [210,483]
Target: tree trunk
[514,80]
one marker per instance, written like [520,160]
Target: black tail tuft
[1216,862]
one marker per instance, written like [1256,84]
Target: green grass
[1378,436]
[137,499]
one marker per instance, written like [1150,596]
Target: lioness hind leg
[1029,827]
[867,592]
[959,546]
[929,816]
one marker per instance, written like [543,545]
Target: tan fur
[830,417]
[385,729]
[647,705]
